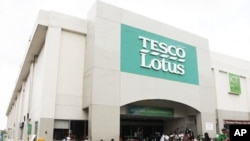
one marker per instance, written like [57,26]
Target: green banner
[149,54]
[234,81]
[150,111]
[29,129]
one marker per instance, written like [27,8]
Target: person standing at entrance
[139,134]
[164,137]
[206,137]
[186,135]
[189,135]
[223,136]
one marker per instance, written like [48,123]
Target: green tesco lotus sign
[149,54]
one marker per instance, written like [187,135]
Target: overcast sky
[225,23]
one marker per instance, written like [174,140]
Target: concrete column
[104,122]
[49,86]
[46,128]
[206,122]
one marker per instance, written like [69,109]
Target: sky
[225,23]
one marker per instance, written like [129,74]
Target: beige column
[49,86]
[104,122]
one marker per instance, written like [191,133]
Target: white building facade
[115,72]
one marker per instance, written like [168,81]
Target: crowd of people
[188,135]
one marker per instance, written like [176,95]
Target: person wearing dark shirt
[206,137]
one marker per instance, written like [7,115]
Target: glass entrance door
[140,129]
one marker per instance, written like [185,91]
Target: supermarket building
[116,72]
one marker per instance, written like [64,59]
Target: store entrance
[148,119]
[140,128]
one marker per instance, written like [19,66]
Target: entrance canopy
[157,108]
